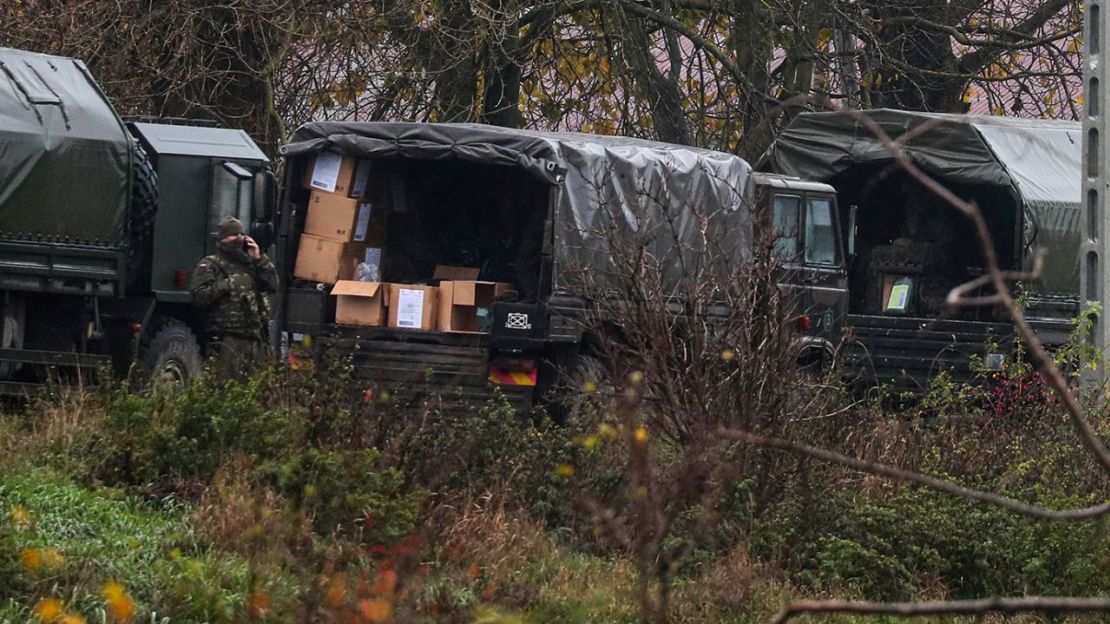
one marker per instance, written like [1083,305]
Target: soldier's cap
[228,227]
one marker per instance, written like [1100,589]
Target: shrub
[347,491]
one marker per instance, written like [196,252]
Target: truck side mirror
[264,196]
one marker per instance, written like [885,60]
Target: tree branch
[1044,604]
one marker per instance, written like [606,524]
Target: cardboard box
[334,173]
[413,307]
[360,303]
[325,260]
[332,216]
[461,302]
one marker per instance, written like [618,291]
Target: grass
[296,527]
[104,536]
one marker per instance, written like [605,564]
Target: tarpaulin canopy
[64,154]
[1038,159]
[605,186]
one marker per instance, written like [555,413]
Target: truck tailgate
[448,374]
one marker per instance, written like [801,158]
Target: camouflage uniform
[234,292]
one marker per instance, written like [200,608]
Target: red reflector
[804,322]
[180,279]
[504,377]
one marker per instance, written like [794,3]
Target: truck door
[826,291]
[808,244]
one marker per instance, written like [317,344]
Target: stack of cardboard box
[459,304]
[343,228]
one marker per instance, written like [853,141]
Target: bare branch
[1044,604]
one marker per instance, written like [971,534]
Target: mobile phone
[246,244]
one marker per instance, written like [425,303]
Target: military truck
[101,223]
[908,248]
[528,209]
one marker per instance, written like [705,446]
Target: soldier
[233,287]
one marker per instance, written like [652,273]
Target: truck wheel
[575,389]
[144,205]
[169,354]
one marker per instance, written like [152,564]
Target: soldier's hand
[252,248]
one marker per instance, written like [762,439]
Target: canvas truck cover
[64,154]
[1040,160]
[607,187]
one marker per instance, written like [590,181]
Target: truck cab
[807,237]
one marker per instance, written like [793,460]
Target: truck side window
[820,234]
[231,194]
[785,216]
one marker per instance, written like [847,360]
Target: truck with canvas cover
[390,233]
[101,222]
[909,248]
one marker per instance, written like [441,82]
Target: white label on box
[362,175]
[373,256]
[363,222]
[410,308]
[325,175]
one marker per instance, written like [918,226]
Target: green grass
[103,536]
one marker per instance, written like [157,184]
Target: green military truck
[101,223]
[534,210]
[908,248]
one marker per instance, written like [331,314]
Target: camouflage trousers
[234,357]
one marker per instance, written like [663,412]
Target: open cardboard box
[462,296]
[361,303]
[461,301]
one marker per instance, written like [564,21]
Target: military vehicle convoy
[101,223]
[463,241]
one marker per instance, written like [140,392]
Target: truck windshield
[820,234]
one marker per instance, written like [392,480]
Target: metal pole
[1093,251]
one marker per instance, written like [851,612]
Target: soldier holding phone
[233,287]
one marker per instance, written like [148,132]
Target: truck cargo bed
[909,352]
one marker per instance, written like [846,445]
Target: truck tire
[573,390]
[169,353]
[144,205]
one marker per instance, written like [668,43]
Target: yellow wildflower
[48,610]
[641,435]
[20,517]
[52,559]
[120,606]
[31,559]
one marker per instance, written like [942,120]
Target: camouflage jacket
[235,294]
